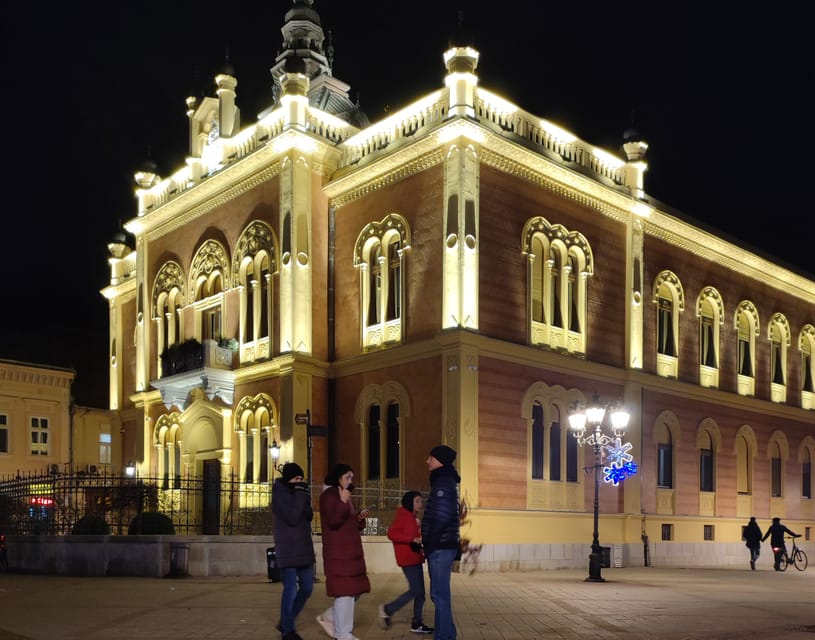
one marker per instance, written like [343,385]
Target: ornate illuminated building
[460,272]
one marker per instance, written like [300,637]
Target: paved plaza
[633,604]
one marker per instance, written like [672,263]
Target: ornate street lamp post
[601,443]
[275,451]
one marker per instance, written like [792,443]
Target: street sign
[301,418]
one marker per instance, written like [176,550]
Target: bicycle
[796,557]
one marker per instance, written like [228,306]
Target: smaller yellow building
[41,430]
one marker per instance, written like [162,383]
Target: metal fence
[78,502]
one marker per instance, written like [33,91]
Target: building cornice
[517,160]
[233,181]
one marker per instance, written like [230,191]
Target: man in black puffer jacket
[440,536]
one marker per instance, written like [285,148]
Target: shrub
[91,525]
[153,523]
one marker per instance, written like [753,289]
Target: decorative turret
[122,258]
[306,52]
[633,145]
[635,148]
[118,247]
[461,60]
[229,120]
[146,175]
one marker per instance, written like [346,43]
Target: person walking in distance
[440,536]
[752,537]
[291,506]
[406,535]
[776,535]
[346,576]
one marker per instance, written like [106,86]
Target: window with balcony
[208,280]
[559,263]
[168,300]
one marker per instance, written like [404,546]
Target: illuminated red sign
[41,501]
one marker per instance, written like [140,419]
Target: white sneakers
[326,624]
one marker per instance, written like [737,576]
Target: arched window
[167,436]
[254,266]
[379,255]
[744,462]
[778,333]
[208,280]
[805,454]
[559,263]
[669,299]
[665,457]
[775,470]
[255,419]
[706,462]
[807,345]
[710,311]
[537,446]
[747,328]
[380,412]
[374,442]
[168,299]
[553,450]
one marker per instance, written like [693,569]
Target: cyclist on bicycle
[776,535]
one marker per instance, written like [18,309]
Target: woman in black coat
[752,536]
[291,505]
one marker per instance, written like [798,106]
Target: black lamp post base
[595,565]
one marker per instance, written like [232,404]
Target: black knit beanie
[292,470]
[443,454]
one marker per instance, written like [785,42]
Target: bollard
[179,560]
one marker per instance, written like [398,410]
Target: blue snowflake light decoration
[615,473]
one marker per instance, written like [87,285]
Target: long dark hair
[333,477]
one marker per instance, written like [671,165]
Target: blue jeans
[440,566]
[294,599]
[415,592]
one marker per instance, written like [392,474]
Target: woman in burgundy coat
[346,576]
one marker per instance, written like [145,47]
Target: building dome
[225,68]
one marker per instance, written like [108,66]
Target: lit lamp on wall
[274,450]
[130,470]
[619,461]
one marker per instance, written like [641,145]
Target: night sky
[91,90]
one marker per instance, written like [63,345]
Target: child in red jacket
[406,535]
